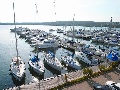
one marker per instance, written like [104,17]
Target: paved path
[87,85]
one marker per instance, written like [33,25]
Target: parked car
[98,86]
[113,85]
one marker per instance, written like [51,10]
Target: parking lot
[88,85]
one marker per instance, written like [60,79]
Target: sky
[84,10]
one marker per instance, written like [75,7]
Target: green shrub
[102,68]
[114,64]
[87,72]
[96,74]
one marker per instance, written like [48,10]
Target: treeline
[70,23]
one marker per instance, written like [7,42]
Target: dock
[52,82]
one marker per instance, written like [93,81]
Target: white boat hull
[73,66]
[17,77]
[18,71]
[54,66]
[83,57]
[47,46]
[36,69]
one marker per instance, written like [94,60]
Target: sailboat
[35,62]
[53,61]
[17,66]
[69,60]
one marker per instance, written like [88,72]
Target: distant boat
[46,43]
[16,29]
[17,66]
[60,30]
[53,62]
[51,30]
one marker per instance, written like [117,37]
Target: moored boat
[53,61]
[36,64]
[71,62]
[17,68]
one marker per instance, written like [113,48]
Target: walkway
[56,81]
[88,85]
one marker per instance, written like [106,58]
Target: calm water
[7,51]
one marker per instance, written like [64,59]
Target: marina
[29,50]
[58,45]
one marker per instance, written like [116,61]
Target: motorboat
[16,29]
[46,43]
[60,30]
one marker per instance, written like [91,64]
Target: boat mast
[37,41]
[55,12]
[111,23]
[101,25]
[15,34]
[73,29]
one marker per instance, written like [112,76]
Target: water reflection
[33,73]
[17,82]
[52,70]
